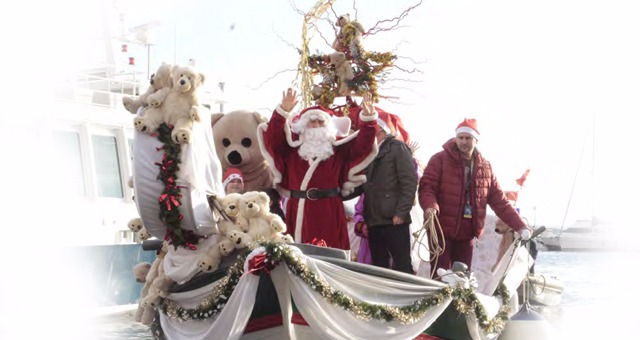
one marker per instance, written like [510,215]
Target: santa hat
[469,126]
[340,124]
[231,174]
[383,125]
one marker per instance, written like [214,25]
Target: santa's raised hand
[289,99]
[367,105]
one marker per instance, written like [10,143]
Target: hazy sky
[538,75]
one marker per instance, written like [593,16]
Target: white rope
[435,244]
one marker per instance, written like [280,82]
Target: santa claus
[316,162]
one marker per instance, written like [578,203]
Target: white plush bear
[239,239]
[140,272]
[282,238]
[262,224]
[349,38]
[210,261]
[160,283]
[343,71]
[143,234]
[135,224]
[179,109]
[160,83]
[149,296]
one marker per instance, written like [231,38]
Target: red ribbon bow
[169,200]
[260,263]
[318,242]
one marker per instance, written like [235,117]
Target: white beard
[316,143]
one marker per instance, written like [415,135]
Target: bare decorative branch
[394,21]
[272,77]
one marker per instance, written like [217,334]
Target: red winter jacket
[442,187]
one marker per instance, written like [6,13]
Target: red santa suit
[312,218]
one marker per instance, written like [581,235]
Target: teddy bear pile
[248,221]
[172,99]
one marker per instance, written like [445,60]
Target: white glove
[525,234]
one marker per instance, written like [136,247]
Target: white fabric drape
[229,323]
[199,175]
[327,320]
[181,264]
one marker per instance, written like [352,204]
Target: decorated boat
[211,281]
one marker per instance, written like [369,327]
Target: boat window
[68,156]
[107,165]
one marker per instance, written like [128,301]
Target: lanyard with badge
[467,182]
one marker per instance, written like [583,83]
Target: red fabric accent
[520,181]
[393,121]
[297,319]
[260,263]
[427,337]
[264,322]
[318,242]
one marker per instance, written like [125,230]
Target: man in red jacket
[457,185]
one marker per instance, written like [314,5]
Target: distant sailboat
[590,234]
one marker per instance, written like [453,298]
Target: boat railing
[100,86]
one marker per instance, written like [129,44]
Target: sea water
[600,300]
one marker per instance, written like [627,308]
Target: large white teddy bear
[179,109]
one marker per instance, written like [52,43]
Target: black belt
[315,193]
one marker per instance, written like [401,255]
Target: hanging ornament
[124,48]
[132,61]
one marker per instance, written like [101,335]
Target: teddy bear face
[144,234]
[337,58]
[230,204]
[140,271]
[135,225]
[236,139]
[185,79]
[254,204]
[161,78]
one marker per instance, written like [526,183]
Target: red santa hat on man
[231,174]
[470,126]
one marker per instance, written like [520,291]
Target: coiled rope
[435,245]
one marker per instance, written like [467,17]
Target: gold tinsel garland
[464,299]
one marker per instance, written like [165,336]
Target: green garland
[464,299]
[169,200]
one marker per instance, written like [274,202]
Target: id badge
[467,211]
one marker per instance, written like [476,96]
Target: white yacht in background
[584,235]
[89,133]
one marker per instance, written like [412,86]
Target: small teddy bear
[349,38]
[160,283]
[135,224]
[254,207]
[149,296]
[160,82]
[210,261]
[179,109]
[343,71]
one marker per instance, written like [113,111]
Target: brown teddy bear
[236,139]
[160,83]
[180,108]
